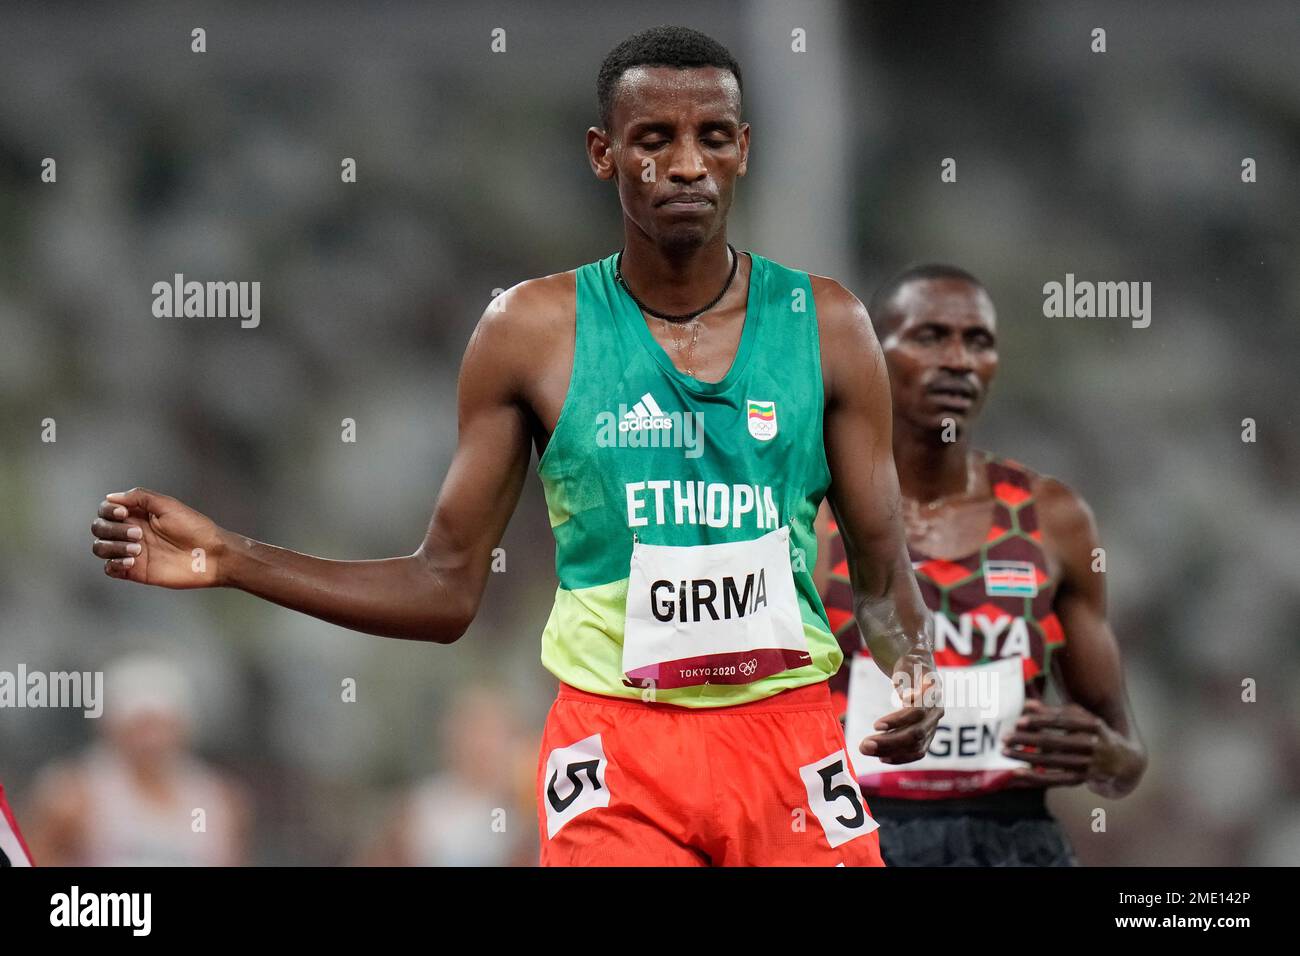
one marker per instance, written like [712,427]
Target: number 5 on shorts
[835,799]
[574,782]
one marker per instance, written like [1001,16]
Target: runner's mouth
[687,201]
[953,395]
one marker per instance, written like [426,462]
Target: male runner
[1005,561]
[677,394]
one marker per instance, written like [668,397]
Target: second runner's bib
[981,704]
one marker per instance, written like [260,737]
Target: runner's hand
[154,539]
[906,733]
[1064,746]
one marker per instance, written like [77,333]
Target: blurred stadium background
[1121,166]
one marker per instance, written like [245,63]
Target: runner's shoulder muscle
[848,343]
[524,337]
[508,353]
[1069,530]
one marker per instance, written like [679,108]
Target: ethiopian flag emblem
[762,419]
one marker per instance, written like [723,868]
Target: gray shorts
[968,840]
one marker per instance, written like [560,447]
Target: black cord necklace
[667,317]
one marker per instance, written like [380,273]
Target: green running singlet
[715,485]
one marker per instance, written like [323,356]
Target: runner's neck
[675,284]
[930,471]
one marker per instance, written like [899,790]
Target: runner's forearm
[402,597]
[895,624]
[888,640]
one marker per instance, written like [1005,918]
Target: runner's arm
[865,499]
[864,494]
[433,594]
[1088,670]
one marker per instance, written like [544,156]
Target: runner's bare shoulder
[844,329]
[1068,525]
[838,309]
[1061,510]
[529,321]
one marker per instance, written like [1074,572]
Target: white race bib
[981,704]
[712,613]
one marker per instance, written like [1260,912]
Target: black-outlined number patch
[574,782]
[835,799]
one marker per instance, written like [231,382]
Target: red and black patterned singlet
[993,604]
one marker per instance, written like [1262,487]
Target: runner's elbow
[454,612]
[448,601]
[448,630]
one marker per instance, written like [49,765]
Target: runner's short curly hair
[679,47]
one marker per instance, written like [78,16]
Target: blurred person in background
[1005,560]
[138,796]
[479,810]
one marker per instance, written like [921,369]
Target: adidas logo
[646,425]
[645,415]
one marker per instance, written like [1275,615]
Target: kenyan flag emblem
[762,419]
